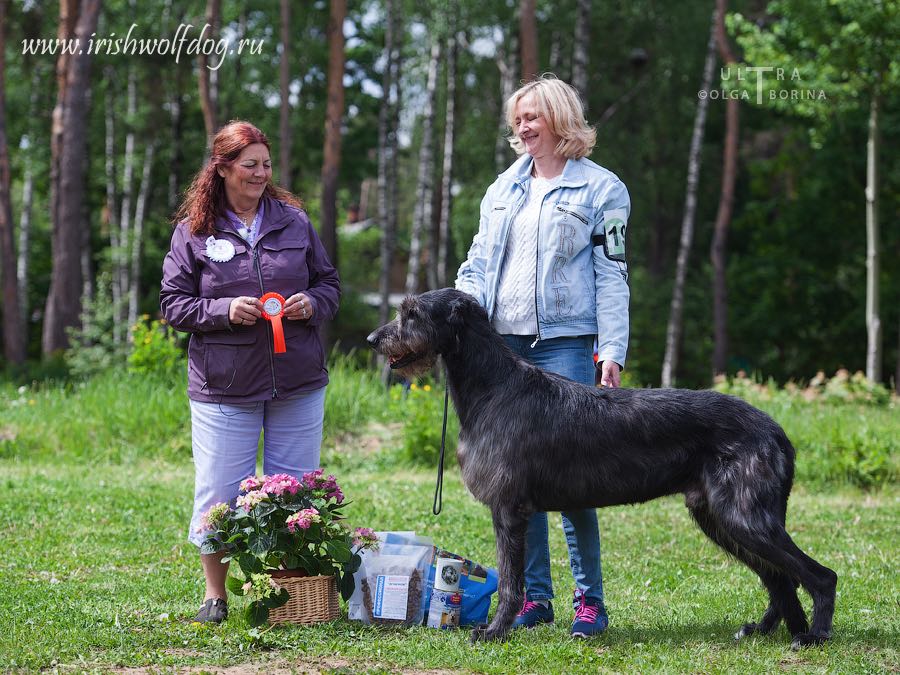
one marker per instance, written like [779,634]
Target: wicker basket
[313,599]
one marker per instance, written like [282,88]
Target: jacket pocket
[285,260]
[218,275]
[225,356]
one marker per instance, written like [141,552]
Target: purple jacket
[233,363]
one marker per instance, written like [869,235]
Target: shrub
[155,348]
[421,407]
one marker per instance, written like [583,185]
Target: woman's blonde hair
[561,105]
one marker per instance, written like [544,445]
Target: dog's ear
[459,309]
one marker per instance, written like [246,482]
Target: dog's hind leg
[763,536]
[780,588]
[509,529]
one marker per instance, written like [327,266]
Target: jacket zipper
[269,342]
[537,256]
[572,213]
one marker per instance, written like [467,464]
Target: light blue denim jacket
[579,290]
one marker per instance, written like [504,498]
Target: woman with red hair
[247,276]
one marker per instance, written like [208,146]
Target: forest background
[759,157]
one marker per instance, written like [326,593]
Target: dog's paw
[746,630]
[802,640]
[488,634]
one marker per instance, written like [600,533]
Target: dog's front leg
[509,529]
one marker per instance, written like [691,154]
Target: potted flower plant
[290,542]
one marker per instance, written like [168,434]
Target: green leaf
[250,564]
[339,551]
[348,585]
[259,543]
[278,599]
[354,563]
[256,613]
[210,546]
[263,509]
[234,585]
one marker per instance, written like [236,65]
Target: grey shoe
[213,610]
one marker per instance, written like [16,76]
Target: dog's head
[426,326]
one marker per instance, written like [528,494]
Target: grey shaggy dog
[533,441]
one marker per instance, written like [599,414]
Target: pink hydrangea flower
[302,520]
[365,537]
[281,483]
[312,478]
[336,494]
[251,499]
[251,483]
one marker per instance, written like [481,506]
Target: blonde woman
[548,265]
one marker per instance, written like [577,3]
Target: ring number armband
[613,237]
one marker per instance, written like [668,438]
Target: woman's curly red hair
[205,199]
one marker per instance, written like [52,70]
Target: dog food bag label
[391,596]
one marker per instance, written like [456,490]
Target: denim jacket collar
[520,172]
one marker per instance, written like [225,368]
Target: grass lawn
[96,574]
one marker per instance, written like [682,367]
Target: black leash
[439,486]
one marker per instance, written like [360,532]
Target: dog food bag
[390,585]
[476,586]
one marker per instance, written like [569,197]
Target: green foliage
[93,347]
[155,348]
[355,395]
[421,407]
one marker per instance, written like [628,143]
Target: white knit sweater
[516,313]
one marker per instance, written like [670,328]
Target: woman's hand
[244,310]
[298,307]
[609,374]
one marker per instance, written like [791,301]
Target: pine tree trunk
[64,299]
[421,224]
[873,319]
[284,173]
[13,338]
[334,114]
[443,239]
[385,162]
[528,38]
[580,53]
[209,95]
[140,209]
[718,249]
[673,331]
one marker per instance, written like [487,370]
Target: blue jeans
[571,357]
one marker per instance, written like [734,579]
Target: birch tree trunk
[334,114]
[443,243]
[506,64]
[421,224]
[580,52]
[120,255]
[284,173]
[140,209]
[112,208]
[64,298]
[209,94]
[719,245]
[528,39]
[385,163]
[673,331]
[22,266]
[873,319]
[13,337]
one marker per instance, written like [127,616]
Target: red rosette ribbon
[273,309]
